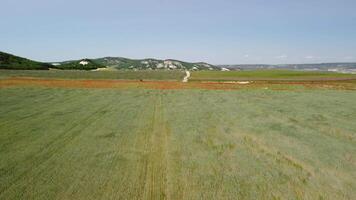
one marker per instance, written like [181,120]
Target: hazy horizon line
[178,59]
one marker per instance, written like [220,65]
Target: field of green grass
[80,74]
[70,143]
[267,75]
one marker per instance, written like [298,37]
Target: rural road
[187,75]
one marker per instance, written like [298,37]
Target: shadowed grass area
[267,75]
[62,143]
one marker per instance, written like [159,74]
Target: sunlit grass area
[267,75]
[80,74]
[176,144]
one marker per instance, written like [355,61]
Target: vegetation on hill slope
[84,64]
[125,63]
[9,61]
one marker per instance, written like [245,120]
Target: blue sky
[219,32]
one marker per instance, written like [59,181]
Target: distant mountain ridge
[350,65]
[153,64]
[335,67]
[9,61]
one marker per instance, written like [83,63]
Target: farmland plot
[71,143]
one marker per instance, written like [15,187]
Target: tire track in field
[155,166]
[131,185]
[257,147]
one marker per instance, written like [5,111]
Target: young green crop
[177,144]
[79,74]
[267,75]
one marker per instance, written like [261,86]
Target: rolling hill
[9,61]
[126,63]
[84,64]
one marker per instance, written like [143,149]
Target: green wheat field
[142,143]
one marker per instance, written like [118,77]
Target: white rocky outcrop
[83,62]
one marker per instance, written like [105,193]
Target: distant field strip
[81,74]
[72,143]
[175,85]
[287,75]
[176,75]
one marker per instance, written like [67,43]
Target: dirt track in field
[172,85]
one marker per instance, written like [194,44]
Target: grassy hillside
[125,63]
[176,144]
[8,61]
[84,64]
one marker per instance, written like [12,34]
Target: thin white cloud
[309,57]
[246,55]
[282,57]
